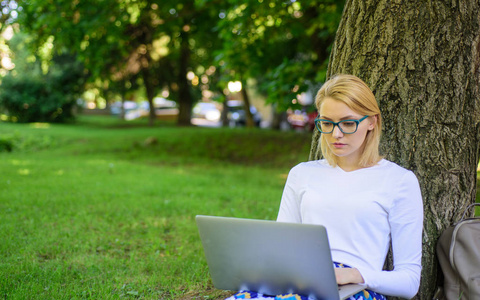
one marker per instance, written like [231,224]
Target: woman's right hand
[348,275]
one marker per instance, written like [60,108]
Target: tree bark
[185,100]
[150,90]
[246,106]
[422,61]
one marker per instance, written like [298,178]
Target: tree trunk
[421,60]
[224,115]
[185,100]
[122,109]
[277,118]
[123,93]
[149,88]
[246,106]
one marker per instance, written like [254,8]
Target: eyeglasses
[345,126]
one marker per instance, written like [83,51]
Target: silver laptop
[270,257]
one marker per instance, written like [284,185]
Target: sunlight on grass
[24,172]
[16,162]
[40,125]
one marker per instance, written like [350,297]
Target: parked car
[236,115]
[206,110]
[302,119]
[164,109]
[116,107]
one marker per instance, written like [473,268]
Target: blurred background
[201,62]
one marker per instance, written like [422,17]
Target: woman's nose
[337,132]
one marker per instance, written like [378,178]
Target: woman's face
[348,147]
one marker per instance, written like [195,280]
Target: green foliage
[34,97]
[7,16]
[151,44]
[6,145]
[283,45]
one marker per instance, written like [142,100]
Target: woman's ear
[373,122]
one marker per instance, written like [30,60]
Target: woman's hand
[348,275]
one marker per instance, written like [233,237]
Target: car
[116,107]
[164,109]
[236,115]
[206,110]
[302,119]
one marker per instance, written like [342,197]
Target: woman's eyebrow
[349,117]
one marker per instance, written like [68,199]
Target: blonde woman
[365,202]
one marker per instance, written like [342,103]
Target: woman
[364,201]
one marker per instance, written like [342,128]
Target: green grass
[105,209]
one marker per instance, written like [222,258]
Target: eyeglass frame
[357,122]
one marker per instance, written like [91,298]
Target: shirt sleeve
[289,211]
[406,223]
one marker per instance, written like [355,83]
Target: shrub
[27,99]
[35,97]
[6,145]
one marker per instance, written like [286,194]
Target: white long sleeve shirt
[363,211]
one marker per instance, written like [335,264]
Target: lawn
[105,209]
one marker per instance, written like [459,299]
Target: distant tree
[112,38]
[30,93]
[6,9]
[118,40]
[422,62]
[8,13]
[283,45]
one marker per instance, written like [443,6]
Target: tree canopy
[282,45]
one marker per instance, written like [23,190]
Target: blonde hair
[353,92]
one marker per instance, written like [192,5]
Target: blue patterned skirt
[362,295]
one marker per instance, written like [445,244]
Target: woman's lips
[339,145]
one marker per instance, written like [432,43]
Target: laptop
[270,258]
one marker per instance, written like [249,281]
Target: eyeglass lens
[345,126]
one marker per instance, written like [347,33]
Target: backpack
[458,251]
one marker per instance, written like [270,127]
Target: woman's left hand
[348,275]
